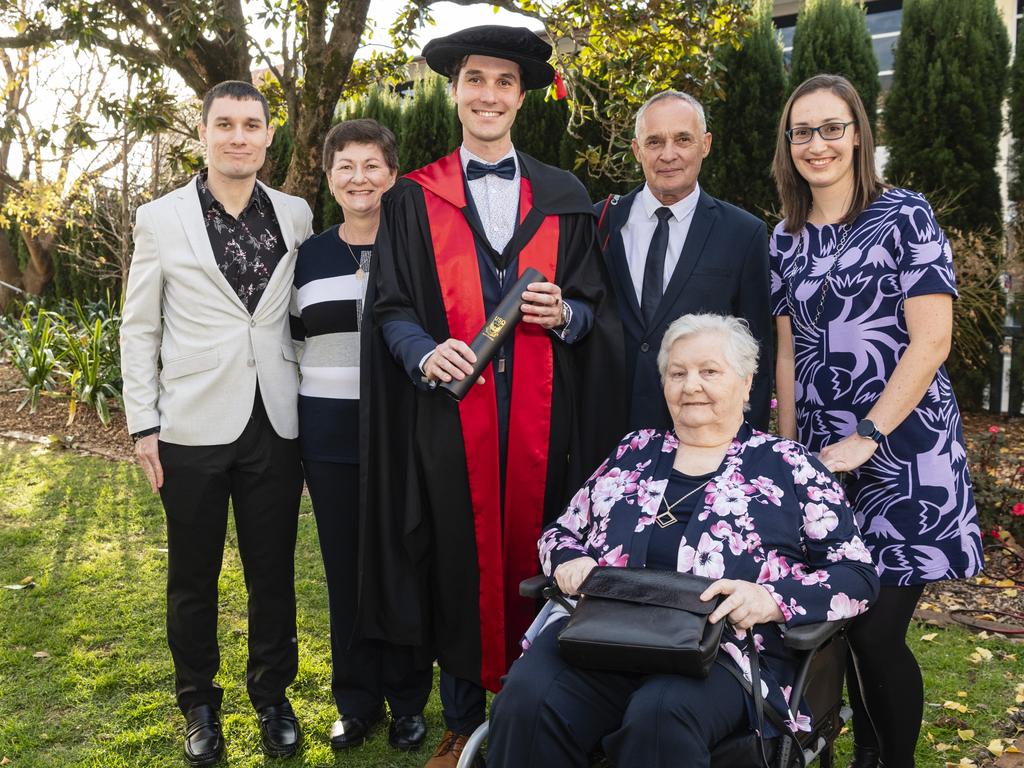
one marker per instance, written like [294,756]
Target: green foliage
[1016,186]
[426,125]
[92,356]
[943,116]
[831,37]
[32,341]
[380,104]
[278,156]
[997,478]
[541,127]
[74,343]
[744,121]
[977,314]
[630,51]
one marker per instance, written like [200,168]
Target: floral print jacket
[772,515]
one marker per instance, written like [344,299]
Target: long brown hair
[794,191]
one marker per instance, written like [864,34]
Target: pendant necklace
[836,253]
[360,272]
[666,518]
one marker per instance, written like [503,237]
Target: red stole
[504,557]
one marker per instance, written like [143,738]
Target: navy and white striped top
[327,306]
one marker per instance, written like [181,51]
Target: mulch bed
[49,422]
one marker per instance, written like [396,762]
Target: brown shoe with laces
[449,751]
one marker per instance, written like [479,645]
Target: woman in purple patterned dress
[862,288]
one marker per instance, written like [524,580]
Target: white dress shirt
[496,199]
[639,229]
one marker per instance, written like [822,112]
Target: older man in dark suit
[672,249]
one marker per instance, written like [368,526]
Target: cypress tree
[1016,186]
[744,121]
[831,37]
[426,125]
[540,126]
[380,104]
[943,116]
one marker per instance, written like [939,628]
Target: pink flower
[994,430]
[819,520]
[615,558]
[706,560]
[1018,509]
[774,403]
[845,607]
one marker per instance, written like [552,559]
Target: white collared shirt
[639,229]
[496,199]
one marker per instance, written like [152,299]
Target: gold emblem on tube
[494,327]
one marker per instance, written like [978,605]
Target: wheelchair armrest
[810,636]
[533,587]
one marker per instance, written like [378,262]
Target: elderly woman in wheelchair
[711,497]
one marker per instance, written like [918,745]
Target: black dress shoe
[349,731]
[279,730]
[204,742]
[864,757]
[407,732]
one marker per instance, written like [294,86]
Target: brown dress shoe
[449,751]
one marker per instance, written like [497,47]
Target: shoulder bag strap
[788,745]
[603,232]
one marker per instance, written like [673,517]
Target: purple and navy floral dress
[913,498]
[771,514]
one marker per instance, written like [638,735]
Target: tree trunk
[326,63]
[39,271]
[10,271]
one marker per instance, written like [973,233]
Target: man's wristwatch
[566,315]
[136,436]
[867,428]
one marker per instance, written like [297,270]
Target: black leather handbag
[643,621]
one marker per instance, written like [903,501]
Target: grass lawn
[85,675]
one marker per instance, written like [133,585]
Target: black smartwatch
[867,428]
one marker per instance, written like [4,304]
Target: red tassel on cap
[561,91]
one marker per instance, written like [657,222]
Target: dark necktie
[654,268]
[506,169]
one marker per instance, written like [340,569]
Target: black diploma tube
[495,333]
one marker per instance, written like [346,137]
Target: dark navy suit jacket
[723,268]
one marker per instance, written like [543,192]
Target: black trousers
[463,702]
[551,713]
[260,474]
[363,672]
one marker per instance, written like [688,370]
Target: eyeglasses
[828,131]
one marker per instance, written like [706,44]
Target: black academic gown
[419,570]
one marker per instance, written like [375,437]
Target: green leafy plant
[32,349]
[997,476]
[86,379]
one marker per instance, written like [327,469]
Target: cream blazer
[191,353]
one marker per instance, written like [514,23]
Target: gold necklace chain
[360,272]
[666,518]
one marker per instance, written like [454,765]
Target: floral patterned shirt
[771,514]
[248,248]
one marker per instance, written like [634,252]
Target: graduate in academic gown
[457,493]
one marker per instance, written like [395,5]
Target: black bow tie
[506,169]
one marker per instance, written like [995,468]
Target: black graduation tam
[516,44]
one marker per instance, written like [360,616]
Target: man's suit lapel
[615,253]
[704,217]
[190,213]
[283,272]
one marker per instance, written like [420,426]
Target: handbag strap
[753,687]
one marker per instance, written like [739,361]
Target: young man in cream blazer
[210,388]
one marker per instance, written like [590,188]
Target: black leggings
[883,679]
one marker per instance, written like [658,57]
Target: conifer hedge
[831,37]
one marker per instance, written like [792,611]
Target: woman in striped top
[331,274]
